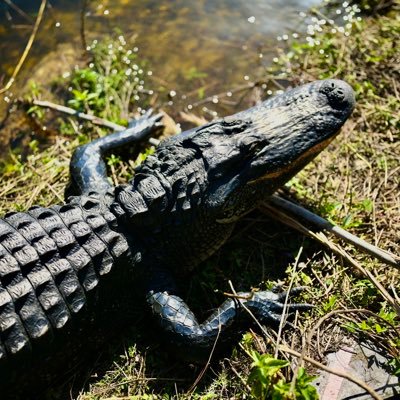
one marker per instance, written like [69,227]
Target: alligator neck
[170,181]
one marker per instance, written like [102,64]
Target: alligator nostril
[339,94]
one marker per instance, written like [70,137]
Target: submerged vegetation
[354,184]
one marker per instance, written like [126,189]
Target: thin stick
[244,383]
[320,237]
[204,369]
[82,27]
[27,48]
[285,305]
[382,255]
[342,374]
[92,118]
[22,13]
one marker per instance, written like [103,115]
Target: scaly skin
[70,271]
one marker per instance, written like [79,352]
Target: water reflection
[175,35]
[189,43]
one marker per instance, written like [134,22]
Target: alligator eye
[255,147]
[247,148]
[250,145]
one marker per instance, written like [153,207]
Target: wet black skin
[68,271]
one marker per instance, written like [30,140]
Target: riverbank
[354,184]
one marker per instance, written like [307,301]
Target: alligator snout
[340,95]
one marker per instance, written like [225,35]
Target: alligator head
[236,162]
[272,142]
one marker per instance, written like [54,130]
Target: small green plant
[330,304]
[394,364]
[112,83]
[302,390]
[264,374]
[296,184]
[364,293]
[377,324]
[201,93]
[34,93]
[267,381]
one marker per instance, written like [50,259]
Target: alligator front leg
[87,168]
[193,340]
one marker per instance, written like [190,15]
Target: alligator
[73,274]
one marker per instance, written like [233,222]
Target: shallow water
[228,41]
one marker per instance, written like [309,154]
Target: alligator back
[53,264]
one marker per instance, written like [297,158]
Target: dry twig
[70,111]
[320,237]
[21,12]
[285,306]
[342,374]
[322,223]
[204,369]
[88,117]
[83,26]
[27,48]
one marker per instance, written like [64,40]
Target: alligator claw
[300,307]
[293,292]
[155,120]
[148,113]
[147,118]
[274,318]
[269,306]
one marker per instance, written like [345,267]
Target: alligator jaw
[296,165]
[298,129]
[282,135]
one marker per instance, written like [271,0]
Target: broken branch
[322,223]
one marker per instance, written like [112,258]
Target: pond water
[225,41]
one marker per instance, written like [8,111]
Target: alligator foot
[269,306]
[88,169]
[194,341]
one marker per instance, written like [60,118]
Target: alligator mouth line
[293,166]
